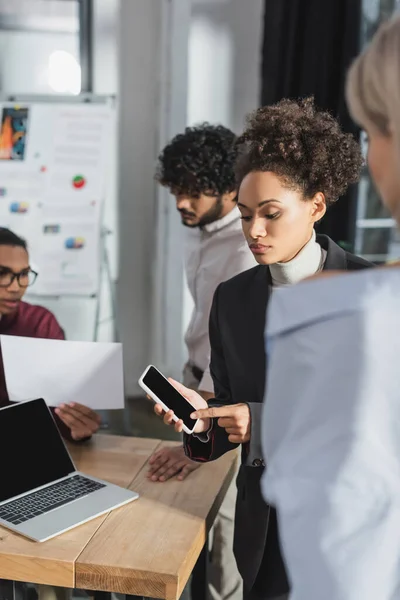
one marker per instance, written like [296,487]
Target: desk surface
[148,547]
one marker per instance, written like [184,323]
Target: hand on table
[194,398]
[234,418]
[82,421]
[167,462]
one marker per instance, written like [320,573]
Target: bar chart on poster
[54,158]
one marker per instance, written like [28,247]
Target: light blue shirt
[331,434]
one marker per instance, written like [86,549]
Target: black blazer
[237,324]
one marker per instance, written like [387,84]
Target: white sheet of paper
[90,373]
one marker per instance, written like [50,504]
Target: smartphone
[163,393]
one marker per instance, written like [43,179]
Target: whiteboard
[54,161]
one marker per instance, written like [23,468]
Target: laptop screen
[32,452]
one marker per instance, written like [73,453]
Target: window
[43,46]
[377,238]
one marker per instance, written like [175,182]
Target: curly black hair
[199,161]
[302,145]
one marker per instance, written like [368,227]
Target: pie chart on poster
[79,182]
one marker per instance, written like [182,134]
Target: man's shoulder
[34,311]
[38,321]
[354,262]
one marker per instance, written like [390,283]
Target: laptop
[41,492]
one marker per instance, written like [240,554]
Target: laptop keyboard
[49,498]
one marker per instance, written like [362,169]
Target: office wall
[106,46]
[140,25]
[224,60]
[224,68]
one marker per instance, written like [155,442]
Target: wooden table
[147,548]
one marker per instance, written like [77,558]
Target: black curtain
[307,48]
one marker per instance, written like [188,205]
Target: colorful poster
[52,189]
[13,132]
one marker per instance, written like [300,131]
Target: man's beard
[210,216]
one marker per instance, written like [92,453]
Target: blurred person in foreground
[294,162]
[331,432]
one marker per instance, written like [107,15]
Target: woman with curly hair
[294,162]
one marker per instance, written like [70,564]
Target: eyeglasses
[24,278]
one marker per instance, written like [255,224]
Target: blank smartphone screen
[166,392]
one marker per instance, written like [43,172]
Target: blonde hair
[373,83]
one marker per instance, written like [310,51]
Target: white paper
[79,149]
[89,373]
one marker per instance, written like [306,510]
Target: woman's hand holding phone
[195,399]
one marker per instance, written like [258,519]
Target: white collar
[307,262]
[219,224]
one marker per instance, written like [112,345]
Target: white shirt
[331,434]
[214,254]
[307,262]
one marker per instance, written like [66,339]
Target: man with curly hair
[294,162]
[197,167]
